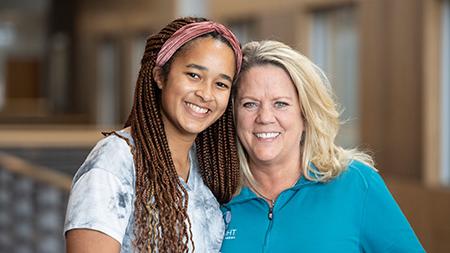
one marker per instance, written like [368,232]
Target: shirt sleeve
[384,227]
[99,200]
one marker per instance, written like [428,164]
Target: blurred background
[68,70]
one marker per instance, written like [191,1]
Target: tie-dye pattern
[103,193]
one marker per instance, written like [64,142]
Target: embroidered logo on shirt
[227,217]
[230,234]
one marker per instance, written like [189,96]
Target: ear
[158,76]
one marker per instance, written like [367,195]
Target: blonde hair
[322,160]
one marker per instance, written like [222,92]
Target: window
[7,35]
[334,48]
[107,84]
[137,51]
[23,26]
[58,74]
[445,95]
[196,8]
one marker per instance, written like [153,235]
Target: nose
[265,115]
[205,92]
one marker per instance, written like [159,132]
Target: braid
[217,156]
[161,220]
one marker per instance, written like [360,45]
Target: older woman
[302,192]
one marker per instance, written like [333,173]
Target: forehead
[209,52]
[267,80]
[203,37]
[198,45]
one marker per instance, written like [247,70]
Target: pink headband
[192,31]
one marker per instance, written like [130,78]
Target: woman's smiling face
[268,115]
[196,91]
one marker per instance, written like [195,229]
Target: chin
[195,129]
[265,157]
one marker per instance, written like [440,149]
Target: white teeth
[197,109]
[267,135]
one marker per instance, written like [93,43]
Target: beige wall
[392,95]
[427,210]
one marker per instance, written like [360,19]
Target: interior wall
[427,210]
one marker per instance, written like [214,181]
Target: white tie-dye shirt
[103,194]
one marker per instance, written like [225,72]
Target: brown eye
[193,75]
[222,85]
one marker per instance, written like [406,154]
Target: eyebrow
[203,68]
[283,97]
[290,99]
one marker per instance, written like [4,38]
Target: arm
[384,227]
[90,241]
[98,212]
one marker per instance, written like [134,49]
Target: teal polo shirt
[354,212]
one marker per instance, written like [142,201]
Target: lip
[197,110]
[267,135]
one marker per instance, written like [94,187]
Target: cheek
[164,98]
[222,100]
[243,122]
[238,118]
[243,135]
[301,127]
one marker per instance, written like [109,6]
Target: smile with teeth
[197,108]
[267,135]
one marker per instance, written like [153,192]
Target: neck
[272,179]
[179,145]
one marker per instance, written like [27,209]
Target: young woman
[156,185]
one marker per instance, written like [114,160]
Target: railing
[33,200]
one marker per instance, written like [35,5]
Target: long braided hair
[161,221]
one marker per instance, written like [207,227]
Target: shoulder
[113,155]
[359,174]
